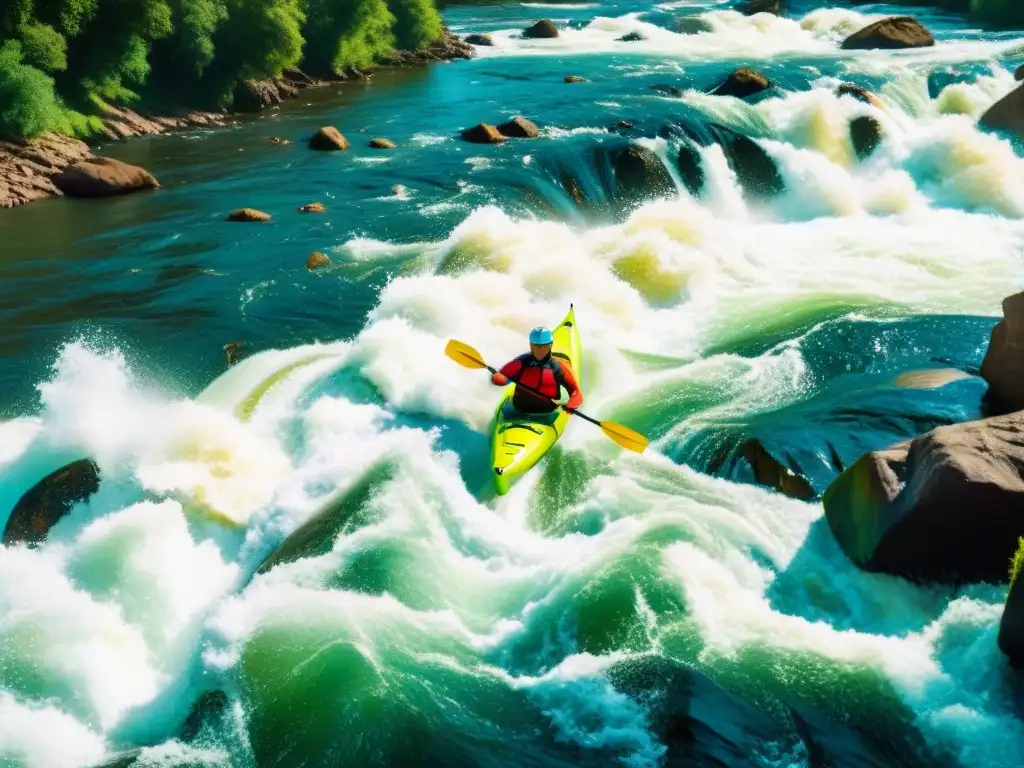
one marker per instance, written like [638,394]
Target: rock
[482,134]
[399,190]
[1007,114]
[519,128]
[298,78]
[545,28]
[632,37]
[27,168]
[49,500]
[1011,625]
[866,134]
[894,32]
[248,214]
[231,350]
[1003,366]
[276,141]
[484,40]
[754,168]
[750,7]
[667,90]
[317,259]
[210,705]
[692,25]
[573,79]
[691,170]
[930,379]
[382,144]
[328,139]
[447,48]
[624,124]
[770,472]
[945,507]
[254,95]
[640,174]
[742,83]
[103,177]
[1019,74]
[859,93]
[312,208]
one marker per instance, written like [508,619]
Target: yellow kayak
[518,440]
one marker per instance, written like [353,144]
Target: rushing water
[615,608]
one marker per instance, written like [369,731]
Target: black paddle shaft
[545,397]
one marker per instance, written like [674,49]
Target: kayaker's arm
[508,371]
[569,382]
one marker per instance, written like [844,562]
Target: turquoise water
[613,609]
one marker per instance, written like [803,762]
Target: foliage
[417,23]
[29,104]
[1018,561]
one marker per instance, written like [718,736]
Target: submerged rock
[49,500]
[277,141]
[692,25]
[944,507]
[382,144]
[519,128]
[1007,114]
[640,174]
[1011,625]
[328,139]
[750,7]
[484,40]
[742,83]
[545,28]
[865,134]
[691,170]
[667,90]
[103,177]
[312,208]
[317,259]
[484,133]
[248,215]
[770,472]
[573,79]
[895,32]
[1003,366]
[632,37]
[754,168]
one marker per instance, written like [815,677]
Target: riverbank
[27,169]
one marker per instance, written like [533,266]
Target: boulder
[742,83]
[750,7]
[483,133]
[103,177]
[328,139]
[692,25]
[49,500]
[254,95]
[484,40]
[667,90]
[859,93]
[640,174]
[754,168]
[1007,114]
[312,208]
[1019,74]
[770,472]
[545,28]
[317,259]
[632,37]
[894,32]
[691,170]
[573,79]
[519,128]
[1011,626]
[382,144]
[865,134]
[945,507]
[248,215]
[1003,366]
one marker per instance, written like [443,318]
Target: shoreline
[27,168]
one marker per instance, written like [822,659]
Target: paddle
[467,357]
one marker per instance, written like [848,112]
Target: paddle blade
[464,355]
[624,436]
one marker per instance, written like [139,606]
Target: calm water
[614,609]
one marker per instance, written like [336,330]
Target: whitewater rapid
[144,596]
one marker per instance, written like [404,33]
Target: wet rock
[743,83]
[944,507]
[667,90]
[865,134]
[859,93]
[483,133]
[1007,114]
[382,144]
[519,128]
[1003,366]
[624,125]
[277,141]
[545,28]
[312,208]
[632,37]
[895,32]
[248,215]
[691,170]
[1019,74]
[49,500]
[754,168]
[328,139]
[103,177]
[574,79]
[751,7]
[692,25]
[317,259]
[27,168]
[484,40]
[770,472]
[1011,626]
[640,174]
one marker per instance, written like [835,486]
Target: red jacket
[546,376]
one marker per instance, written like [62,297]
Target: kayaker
[539,370]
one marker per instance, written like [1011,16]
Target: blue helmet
[541,336]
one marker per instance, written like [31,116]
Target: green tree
[43,47]
[29,105]
[346,33]
[417,23]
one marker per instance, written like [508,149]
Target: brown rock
[545,28]
[574,79]
[382,144]
[770,472]
[932,379]
[248,214]
[640,174]
[277,141]
[312,208]
[49,500]
[103,177]
[328,139]
[892,33]
[519,128]
[1007,114]
[317,259]
[484,40]
[1003,366]
[859,93]
[482,134]
[946,507]
[742,83]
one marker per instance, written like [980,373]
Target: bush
[43,47]
[346,33]
[417,23]
[29,105]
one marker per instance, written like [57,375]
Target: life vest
[546,376]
